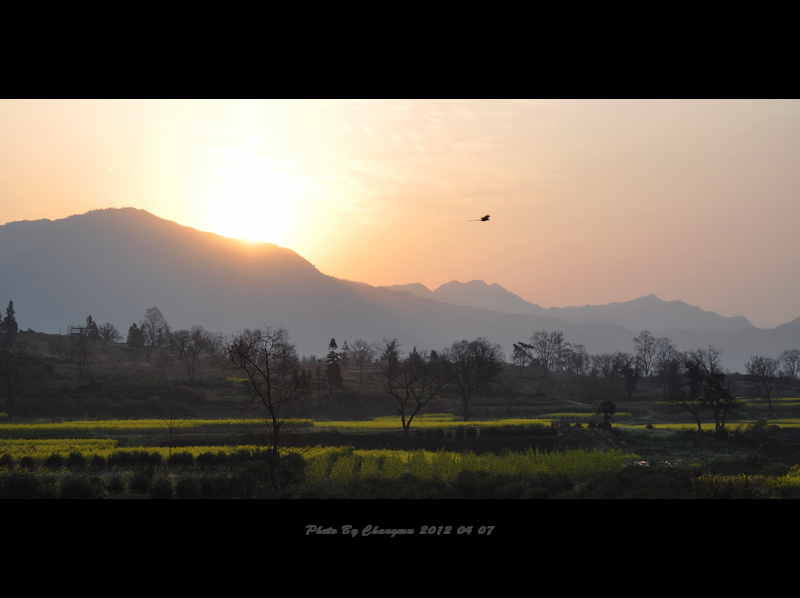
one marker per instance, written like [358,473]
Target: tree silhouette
[412,382]
[333,369]
[472,365]
[279,385]
[765,371]
[9,323]
[606,409]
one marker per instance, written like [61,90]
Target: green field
[142,430]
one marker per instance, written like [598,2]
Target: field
[136,431]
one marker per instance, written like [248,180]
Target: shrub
[79,486]
[116,485]
[471,432]
[207,459]
[140,482]
[161,488]
[27,462]
[76,461]
[54,462]
[120,459]
[740,486]
[181,459]
[214,485]
[147,459]
[97,463]
[293,468]
[250,481]
[6,461]
[188,487]
[20,485]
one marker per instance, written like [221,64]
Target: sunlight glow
[253,205]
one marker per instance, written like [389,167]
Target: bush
[97,463]
[54,462]
[79,486]
[27,462]
[740,486]
[116,485]
[188,487]
[76,461]
[161,488]
[20,485]
[636,482]
[207,459]
[6,461]
[214,485]
[181,459]
[140,482]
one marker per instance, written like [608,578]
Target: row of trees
[552,353]
[280,384]
[413,380]
[153,336]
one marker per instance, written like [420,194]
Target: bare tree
[576,359]
[471,366]
[765,371]
[791,363]
[172,423]
[279,385]
[109,333]
[664,357]
[190,346]
[704,372]
[155,331]
[547,348]
[412,382]
[683,391]
[362,354]
[82,350]
[645,349]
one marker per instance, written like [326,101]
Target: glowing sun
[252,205]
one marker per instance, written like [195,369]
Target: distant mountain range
[645,313]
[114,264]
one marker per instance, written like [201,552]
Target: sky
[590,201]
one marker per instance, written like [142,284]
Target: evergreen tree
[9,323]
[135,341]
[333,369]
[92,330]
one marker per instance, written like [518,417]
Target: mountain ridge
[644,313]
[113,264]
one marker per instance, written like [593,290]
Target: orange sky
[591,201]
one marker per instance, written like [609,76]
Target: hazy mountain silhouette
[114,264]
[645,313]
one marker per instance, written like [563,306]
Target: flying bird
[484,219]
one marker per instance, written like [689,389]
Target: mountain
[645,313]
[114,264]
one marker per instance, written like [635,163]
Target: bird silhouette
[484,219]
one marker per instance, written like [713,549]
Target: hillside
[114,264]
